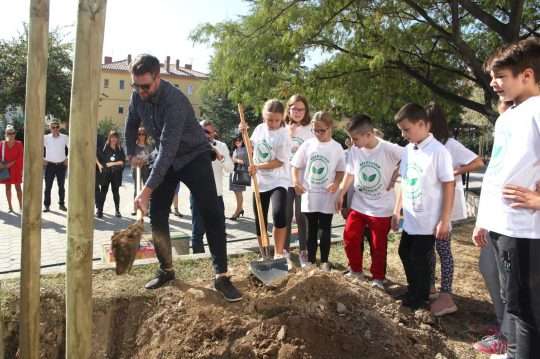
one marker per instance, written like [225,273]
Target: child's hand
[299,189]
[522,197]
[394,223]
[252,169]
[442,230]
[339,204]
[243,126]
[479,237]
[345,212]
[332,187]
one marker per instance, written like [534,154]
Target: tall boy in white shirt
[371,162]
[427,190]
[515,160]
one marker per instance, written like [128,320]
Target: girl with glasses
[111,163]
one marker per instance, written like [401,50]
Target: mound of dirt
[310,315]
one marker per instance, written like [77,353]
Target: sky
[159,27]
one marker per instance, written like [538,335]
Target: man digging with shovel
[184,154]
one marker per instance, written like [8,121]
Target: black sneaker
[117,214]
[46,209]
[162,278]
[62,207]
[224,286]
[99,214]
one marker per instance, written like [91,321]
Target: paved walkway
[240,234]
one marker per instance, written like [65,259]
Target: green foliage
[365,56]
[13,55]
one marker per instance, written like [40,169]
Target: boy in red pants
[370,165]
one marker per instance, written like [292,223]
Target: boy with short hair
[513,230]
[370,164]
[427,190]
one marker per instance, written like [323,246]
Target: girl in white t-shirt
[317,170]
[298,123]
[271,151]
[463,161]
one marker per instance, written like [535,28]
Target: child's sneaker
[303,258]
[325,267]
[491,344]
[378,284]
[290,263]
[356,276]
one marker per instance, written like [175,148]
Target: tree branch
[486,18]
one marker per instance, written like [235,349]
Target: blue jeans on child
[198,230]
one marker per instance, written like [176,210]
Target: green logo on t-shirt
[498,153]
[318,169]
[263,152]
[369,179]
[413,186]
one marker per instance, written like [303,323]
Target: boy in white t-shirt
[322,162]
[427,191]
[371,162]
[513,230]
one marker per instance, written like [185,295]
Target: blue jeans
[197,224]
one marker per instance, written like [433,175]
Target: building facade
[116,87]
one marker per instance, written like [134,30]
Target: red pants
[353,238]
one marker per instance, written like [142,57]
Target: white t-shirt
[271,145]
[55,147]
[320,162]
[372,170]
[422,171]
[300,134]
[220,167]
[515,159]
[461,156]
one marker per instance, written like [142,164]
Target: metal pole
[36,85]
[82,159]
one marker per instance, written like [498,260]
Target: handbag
[4,172]
[241,177]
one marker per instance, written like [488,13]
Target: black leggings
[318,225]
[115,180]
[278,197]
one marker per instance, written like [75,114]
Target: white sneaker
[377,284]
[359,276]
[303,259]
[325,267]
[498,356]
[290,263]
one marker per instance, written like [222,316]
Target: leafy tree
[370,56]
[13,55]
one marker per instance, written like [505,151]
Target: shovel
[125,243]
[268,270]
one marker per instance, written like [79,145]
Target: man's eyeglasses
[319,130]
[139,87]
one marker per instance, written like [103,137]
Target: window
[106,83]
[190,90]
[122,84]
[120,110]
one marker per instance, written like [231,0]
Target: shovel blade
[270,271]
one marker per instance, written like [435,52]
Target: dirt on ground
[310,315]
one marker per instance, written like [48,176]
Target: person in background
[55,161]
[463,161]
[299,126]
[143,149]
[111,161]
[220,165]
[318,167]
[241,163]
[176,211]
[12,156]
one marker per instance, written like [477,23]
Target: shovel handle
[256,193]
[140,214]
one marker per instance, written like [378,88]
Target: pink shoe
[491,344]
[443,305]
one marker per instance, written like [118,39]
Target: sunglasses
[142,134]
[320,130]
[55,127]
[139,87]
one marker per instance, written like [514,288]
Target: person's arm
[133,122]
[343,188]
[396,216]
[227,160]
[100,166]
[475,164]
[176,115]
[297,180]
[443,227]
[334,186]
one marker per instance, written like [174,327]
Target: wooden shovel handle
[249,149]
[140,214]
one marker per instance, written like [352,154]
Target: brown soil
[309,315]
